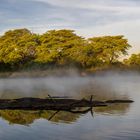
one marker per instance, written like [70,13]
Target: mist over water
[65,86]
[115,121]
[109,85]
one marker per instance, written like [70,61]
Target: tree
[85,55]
[56,46]
[109,48]
[20,48]
[133,60]
[17,46]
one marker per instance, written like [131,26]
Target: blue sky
[88,17]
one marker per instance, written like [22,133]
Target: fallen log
[53,104]
[119,101]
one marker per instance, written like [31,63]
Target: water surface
[120,121]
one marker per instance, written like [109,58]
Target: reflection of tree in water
[28,117]
[119,109]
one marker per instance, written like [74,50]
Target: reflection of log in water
[53,103]
[28,111]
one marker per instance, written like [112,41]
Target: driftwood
[53,103]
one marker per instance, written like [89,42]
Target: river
[114,122]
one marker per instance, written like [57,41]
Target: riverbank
[61,72]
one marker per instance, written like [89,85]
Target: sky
[89,18]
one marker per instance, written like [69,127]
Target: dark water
[115,122]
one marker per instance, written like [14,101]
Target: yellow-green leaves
[134,60]
[109,48]
[60,47]
[17,45]
[56,46]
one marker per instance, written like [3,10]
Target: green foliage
[56,46]
[85,56]
[134,60]
[21,49]
[109,48]
[17,46]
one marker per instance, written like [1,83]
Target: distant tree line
[22,49]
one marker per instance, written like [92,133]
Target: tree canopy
[21,47]
[56,46]
[133,61]
[17,46]
[109,48]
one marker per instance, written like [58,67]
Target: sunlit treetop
[60,48]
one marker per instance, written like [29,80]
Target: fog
[106,85]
